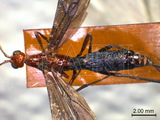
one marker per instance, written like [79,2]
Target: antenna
[7,56]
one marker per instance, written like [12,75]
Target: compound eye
[17,52]
[15,67]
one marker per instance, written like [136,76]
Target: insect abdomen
[114,60]
[106,61]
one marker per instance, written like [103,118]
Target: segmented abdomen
[114,60]
[106,61]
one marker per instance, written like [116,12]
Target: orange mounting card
[141,38]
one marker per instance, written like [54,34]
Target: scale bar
[143,115]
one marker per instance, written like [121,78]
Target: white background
[113,102]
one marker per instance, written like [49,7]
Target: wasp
[65,102]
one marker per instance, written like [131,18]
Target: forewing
[65,102]
[70,15]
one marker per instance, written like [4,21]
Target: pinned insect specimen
[65,102]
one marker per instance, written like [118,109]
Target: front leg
[38,37]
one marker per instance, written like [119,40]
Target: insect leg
[106,48]
[38,36]
[86,40]
[44,37]
[86,85]
[157,67]
[74,76]
[117,75]
[64,74]
[129,76]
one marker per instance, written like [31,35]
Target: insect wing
[65,102]
[70,15]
